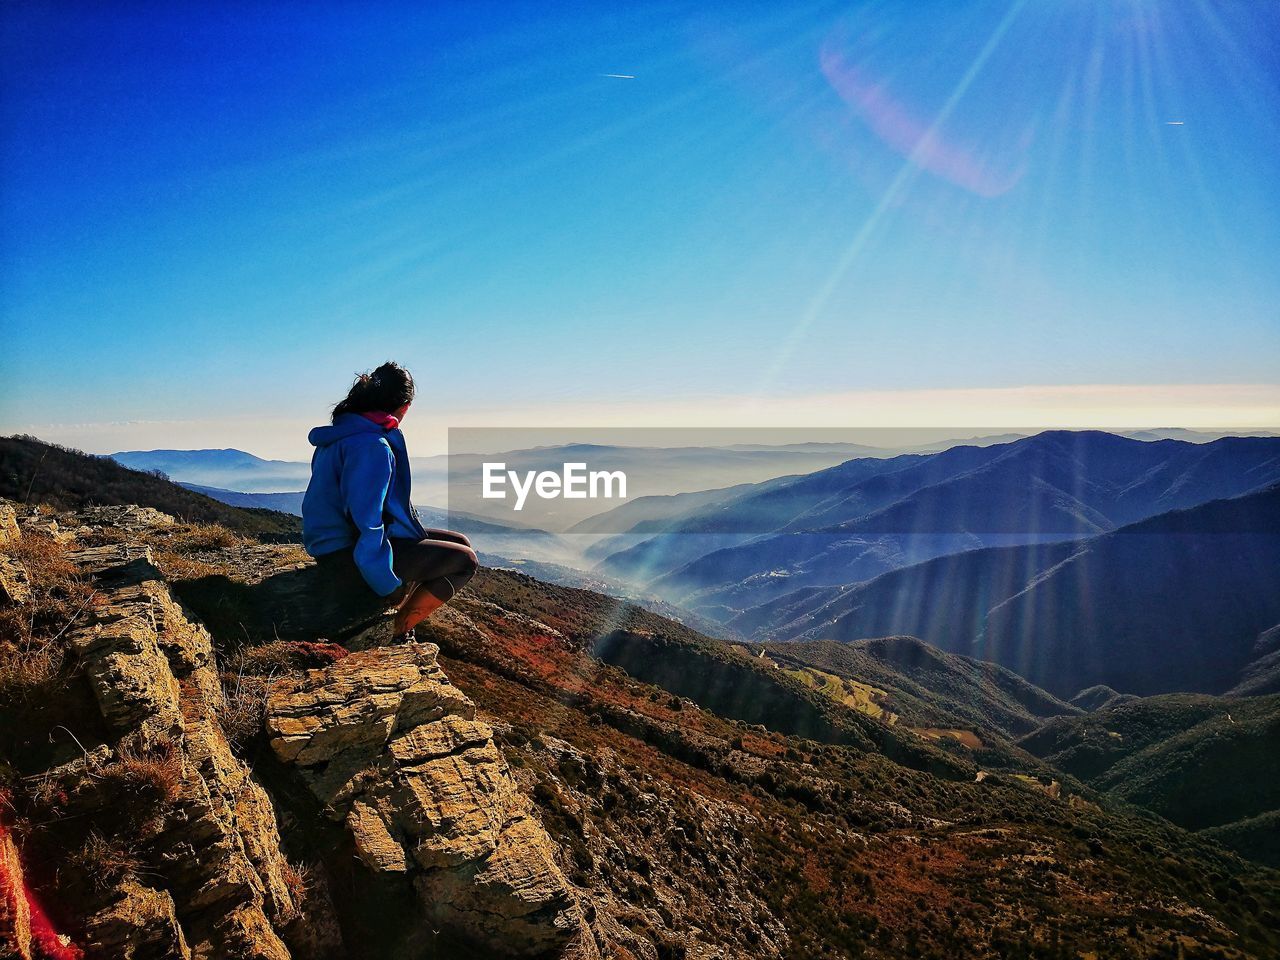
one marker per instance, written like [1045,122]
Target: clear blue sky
[208,213]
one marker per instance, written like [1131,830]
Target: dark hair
[386,389]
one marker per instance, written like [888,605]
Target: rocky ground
[178,782]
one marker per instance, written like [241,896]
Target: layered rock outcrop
[214,881]
[395,751]
[14,584]
[9,530]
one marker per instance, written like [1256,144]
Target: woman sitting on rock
[357,504]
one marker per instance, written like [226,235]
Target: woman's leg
[418,604]
[450,536]
[433,570]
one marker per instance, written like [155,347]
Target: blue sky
[210,218]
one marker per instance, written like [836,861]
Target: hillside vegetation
[930,687]
[654,819]
[32,471]
[1207,763]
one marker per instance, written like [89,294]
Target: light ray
[907,173]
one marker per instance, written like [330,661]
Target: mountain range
[763,557]
[974,549]
[227,469]
[455,478]
[1181,601]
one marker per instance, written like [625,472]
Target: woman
[357,504]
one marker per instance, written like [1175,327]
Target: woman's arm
[450,535]
[366,477]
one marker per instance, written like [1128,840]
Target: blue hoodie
[359,497]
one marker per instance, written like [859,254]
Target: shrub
[105,862]
[243,711]
[146,779]
[32,647]
[284,656]
[297,880]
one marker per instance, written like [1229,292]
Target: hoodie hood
[347,425]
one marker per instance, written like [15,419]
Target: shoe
[407,637]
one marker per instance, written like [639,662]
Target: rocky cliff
[189,857]
[211,879]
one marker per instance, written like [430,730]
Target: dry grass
[292,554]
[151,778]
[297,880]
[193,551]
[966,738]
[243,712]
[97,820]
[32,654]
[854,694]
[247,678]
[58,591]
[186,537]
[105,861]
[48,794]
[27,670]
[189,551]
[177,566]
[287,656]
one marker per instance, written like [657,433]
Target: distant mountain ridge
[651,470]
[34,471]
[284,501]
[855,521]
[1175,602]
[227,469]
[227,457]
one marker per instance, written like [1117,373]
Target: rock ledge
[390,746]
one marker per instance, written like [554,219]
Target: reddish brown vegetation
[286,656]
[856,854]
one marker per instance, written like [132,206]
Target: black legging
[442,563]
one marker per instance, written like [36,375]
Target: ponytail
[386,389]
